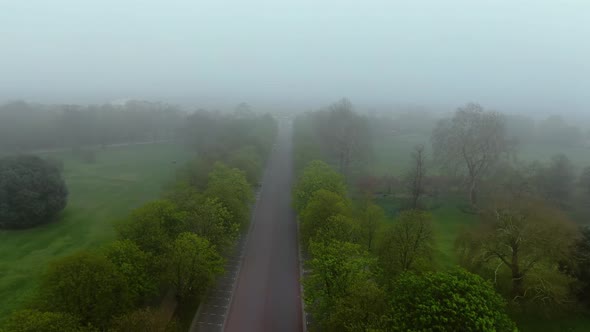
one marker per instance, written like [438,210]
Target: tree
[230,187]
[194,264]
[32,192]
[523,235]
[144,320]
[340,273]
[578,265]
[44,321]
[458,301]
[316,175]
[137,268]
[85,285]
[249,161]
[557,180]
[153,226]
[416,176]
[209,218]
[471,142]
[407,244]
[323,205]
[344,134]
[371,217]
[339,228]
[585,180]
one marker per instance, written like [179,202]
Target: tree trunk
[517,276]
[473,194]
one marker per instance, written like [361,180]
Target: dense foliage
[85,285]
[32,192]
[44,321]
[458,301]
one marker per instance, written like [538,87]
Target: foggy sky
[519,55]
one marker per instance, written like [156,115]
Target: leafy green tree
[85,285]
[44,321]
[153,227]
[230,187]
[144,320]
[32,192]
[407,244]
[136,266]
[323,205]
[339,228]
[316,175]
[248,160]
[194,264]
[458,301]
[371,218]
[209,218]
[341,273]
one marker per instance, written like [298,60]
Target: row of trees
[176,243]
[362,270]
[25,127]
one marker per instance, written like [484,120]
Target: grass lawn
[101,193]
[447,221]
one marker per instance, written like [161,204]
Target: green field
[101,193]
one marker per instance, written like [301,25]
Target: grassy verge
[101,193]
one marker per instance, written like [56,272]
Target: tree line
[368,272]
[26,126]
[175,243]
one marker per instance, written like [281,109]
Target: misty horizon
[529,57]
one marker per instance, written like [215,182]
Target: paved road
[267,295]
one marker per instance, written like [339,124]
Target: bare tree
[345,135]
[416,176]
[471,142]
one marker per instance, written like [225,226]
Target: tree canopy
[194,264]
[458,301]
[32,192]
[87,286]
[316,175]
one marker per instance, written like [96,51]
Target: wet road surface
[267,294]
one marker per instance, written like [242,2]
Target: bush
[32,192]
